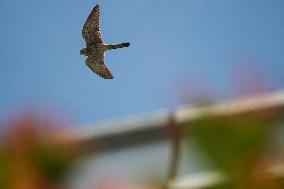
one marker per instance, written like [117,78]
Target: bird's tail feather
[121,45]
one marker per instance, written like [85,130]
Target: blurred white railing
[155,126]
[155,123]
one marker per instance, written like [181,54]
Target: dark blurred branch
[175,133]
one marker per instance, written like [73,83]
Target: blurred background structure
[208,76]
[193,147]
[235,144]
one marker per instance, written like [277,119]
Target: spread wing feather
[96,64]
[91,29]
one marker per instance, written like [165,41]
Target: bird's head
[83,52]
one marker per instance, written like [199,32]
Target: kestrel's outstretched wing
[96,64]
[91,31]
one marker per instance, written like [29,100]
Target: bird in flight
[95,47]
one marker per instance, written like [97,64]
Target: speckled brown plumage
[95,47]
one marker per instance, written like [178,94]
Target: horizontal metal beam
[154,125]
[207,179]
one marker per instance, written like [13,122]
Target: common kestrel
[95,47]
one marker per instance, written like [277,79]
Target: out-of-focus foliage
[241,147]
[31,157]
[33,153]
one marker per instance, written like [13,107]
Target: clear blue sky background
[176,47]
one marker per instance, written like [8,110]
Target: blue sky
[176,46]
